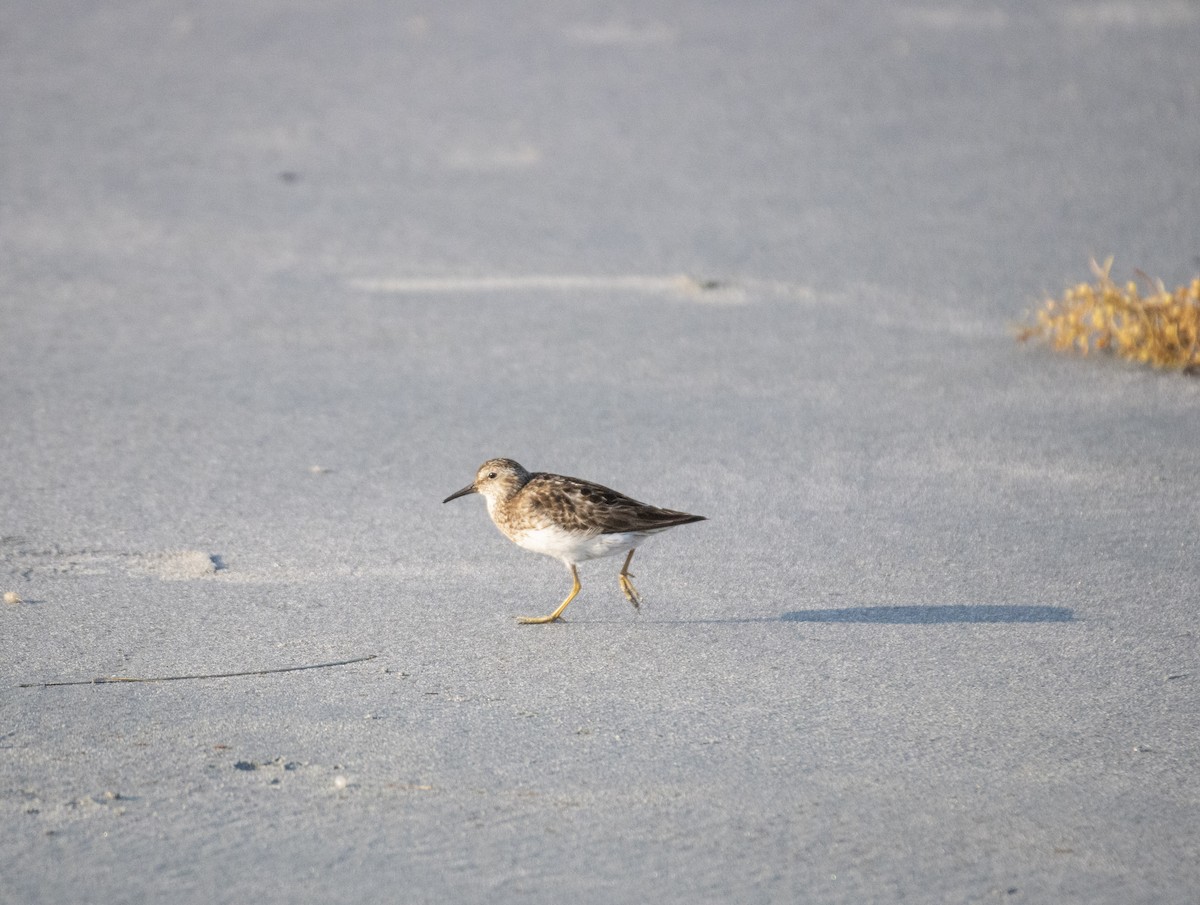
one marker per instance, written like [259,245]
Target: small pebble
[340,782]
[12,597]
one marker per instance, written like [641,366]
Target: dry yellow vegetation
[1161,328]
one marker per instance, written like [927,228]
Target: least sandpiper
[569,519]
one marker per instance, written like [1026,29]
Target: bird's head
[496,479]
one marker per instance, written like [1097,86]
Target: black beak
[470,488]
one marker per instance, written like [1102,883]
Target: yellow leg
[631,593]
[541,620]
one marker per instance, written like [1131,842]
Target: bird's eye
[491,474]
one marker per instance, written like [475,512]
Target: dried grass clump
[1162,329]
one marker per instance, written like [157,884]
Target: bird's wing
[584,506]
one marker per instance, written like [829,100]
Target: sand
[277,277]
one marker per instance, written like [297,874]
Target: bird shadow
[937,614]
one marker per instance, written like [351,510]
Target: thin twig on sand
[216,675]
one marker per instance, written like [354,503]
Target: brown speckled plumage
[578,505]
[568,518]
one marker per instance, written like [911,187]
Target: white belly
[575,548]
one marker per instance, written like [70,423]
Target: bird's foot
[539,620]
[631,593]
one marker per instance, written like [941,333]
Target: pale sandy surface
[276,277]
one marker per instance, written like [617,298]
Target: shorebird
[569,519]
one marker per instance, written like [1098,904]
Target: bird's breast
[573,546]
